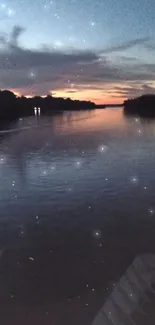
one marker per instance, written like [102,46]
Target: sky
[102,50]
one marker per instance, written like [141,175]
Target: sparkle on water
[69,212]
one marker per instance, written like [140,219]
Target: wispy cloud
[127,45]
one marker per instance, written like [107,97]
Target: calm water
[77,202]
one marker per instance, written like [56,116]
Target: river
[77,204]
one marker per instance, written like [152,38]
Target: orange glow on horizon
[90,95]
[95,96]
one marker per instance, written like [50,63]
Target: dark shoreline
[143,106]
[12,107]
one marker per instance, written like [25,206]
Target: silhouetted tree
[12,107]
[143,106]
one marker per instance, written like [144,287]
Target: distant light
[136,120]
[58,43]
[93,24]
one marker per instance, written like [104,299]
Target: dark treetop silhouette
[143,106]
[12,106]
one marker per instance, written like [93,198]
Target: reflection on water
[76,206]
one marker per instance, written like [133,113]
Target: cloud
[44,70]
[126,45]
[133,90]
[150,47]
[14,38]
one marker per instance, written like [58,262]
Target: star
[3,6]
[31,74]
[10,12]
[151,211]
[134,180]
[78,164]
[102,148]
[97,233]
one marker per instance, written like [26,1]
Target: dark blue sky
[116,38]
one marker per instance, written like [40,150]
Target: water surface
[77,202]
